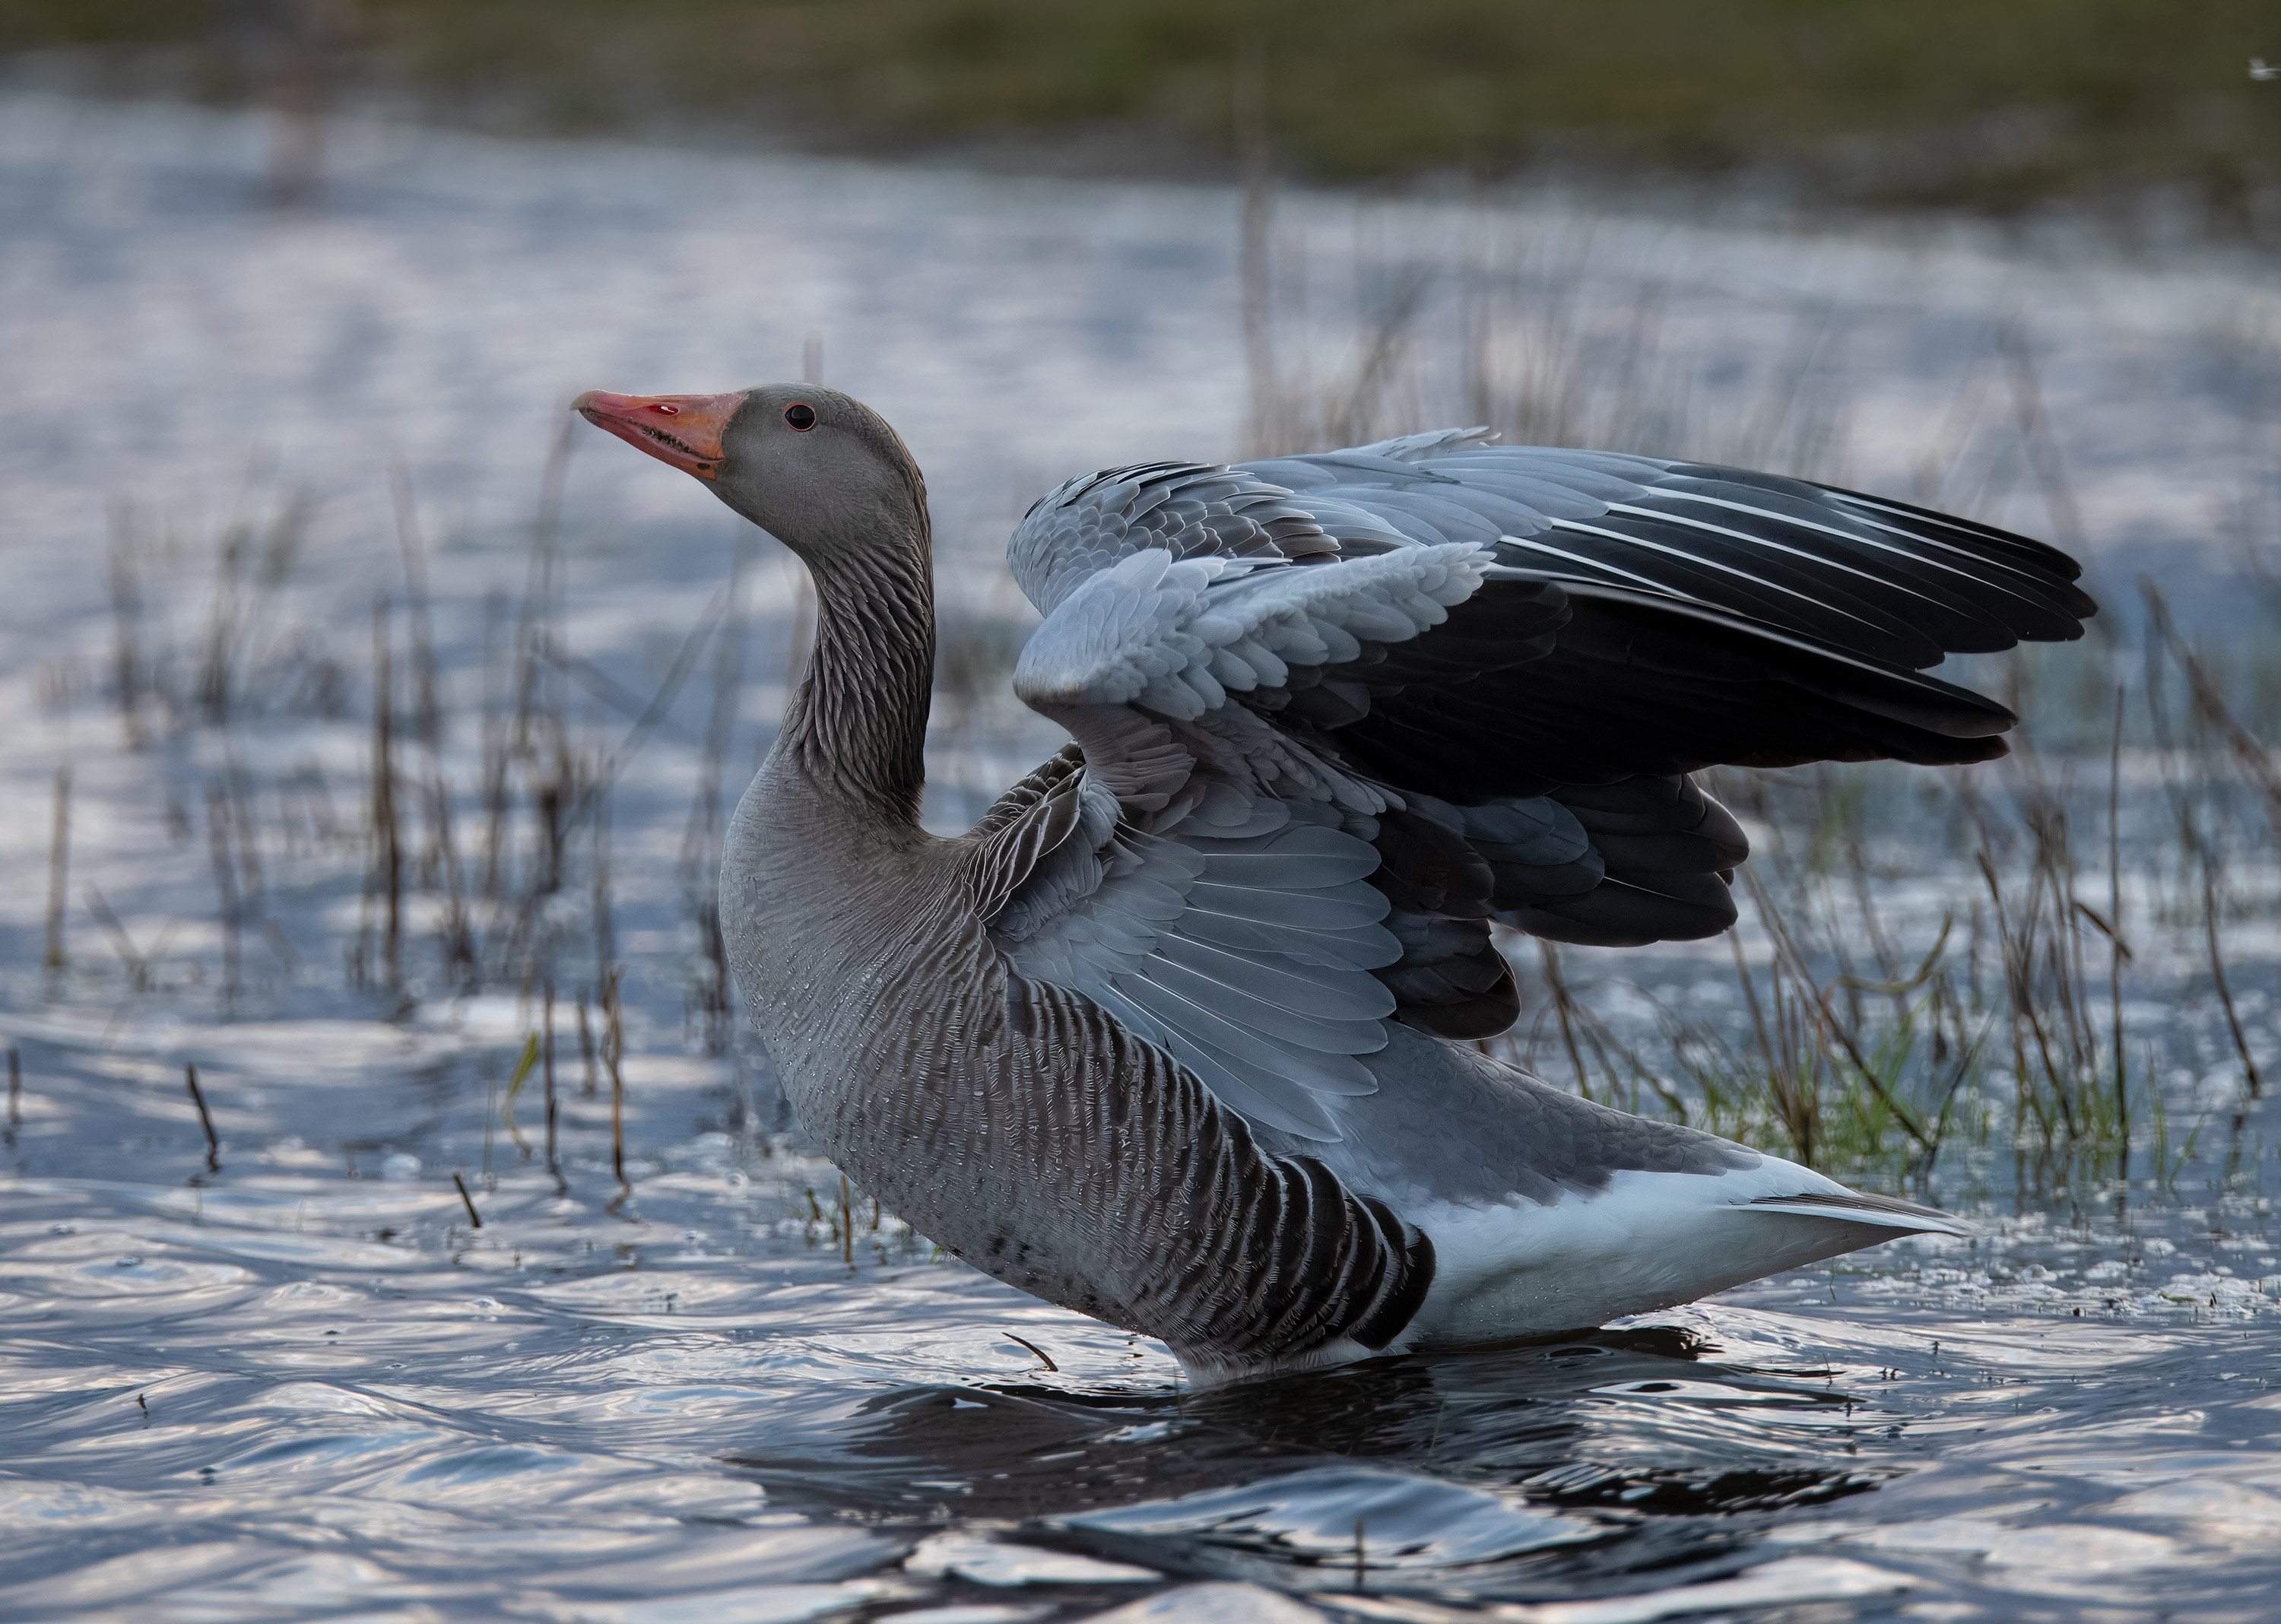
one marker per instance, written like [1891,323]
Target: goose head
[819,470]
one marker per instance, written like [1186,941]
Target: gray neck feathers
[857,724]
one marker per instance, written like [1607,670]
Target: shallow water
[294,1376]
[278,1390]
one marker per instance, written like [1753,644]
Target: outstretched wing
[1878,579]
[1715,616]
[1335,714]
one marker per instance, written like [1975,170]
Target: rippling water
[276,1389]
[304,1375]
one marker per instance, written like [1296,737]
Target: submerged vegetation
[1853,101]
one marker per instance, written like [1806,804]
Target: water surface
[293,1374]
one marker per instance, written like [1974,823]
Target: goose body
[1181,1034]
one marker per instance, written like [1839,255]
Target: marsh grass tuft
[2007,1022]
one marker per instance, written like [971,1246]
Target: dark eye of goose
[801,416]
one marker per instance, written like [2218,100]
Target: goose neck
[857,726]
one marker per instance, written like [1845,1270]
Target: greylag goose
[1181,1035]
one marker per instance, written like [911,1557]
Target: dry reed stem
[1563,1005]
[59,867]
[614,1049]
[2217,975]
[126,624]
[2036,436]
[225,885]
[2210,701]
[546,1058]
[2117,952]
[388,861]
[606,946]
[1816,998]
[426,706]
[475,1219]
[439,850]
[136,965]
[701,844]
[214,681]
[2208,704]
[586,1049]
[250,886]
[205,1118]
[494,757]
[2018,981]
[537,742]
[534,625]
[567,797]
[655,715]
[1751,994]
[524,1063]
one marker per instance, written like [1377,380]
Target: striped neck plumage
[857,724]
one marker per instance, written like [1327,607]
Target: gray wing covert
[1213,894]
[1186,508]
[1243,949]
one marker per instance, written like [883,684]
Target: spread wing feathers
[1200,881]
[1643,860]
[1186,508]
[1711,617]
[1886,581]
[1243,949]
[1152,630]
[1336,715]
[1634,683]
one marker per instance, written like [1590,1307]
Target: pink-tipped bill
[684,430]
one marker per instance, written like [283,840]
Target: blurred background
[2136,107]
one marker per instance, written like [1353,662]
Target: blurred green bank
[1989,105]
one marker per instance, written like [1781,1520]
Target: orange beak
[684,430]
